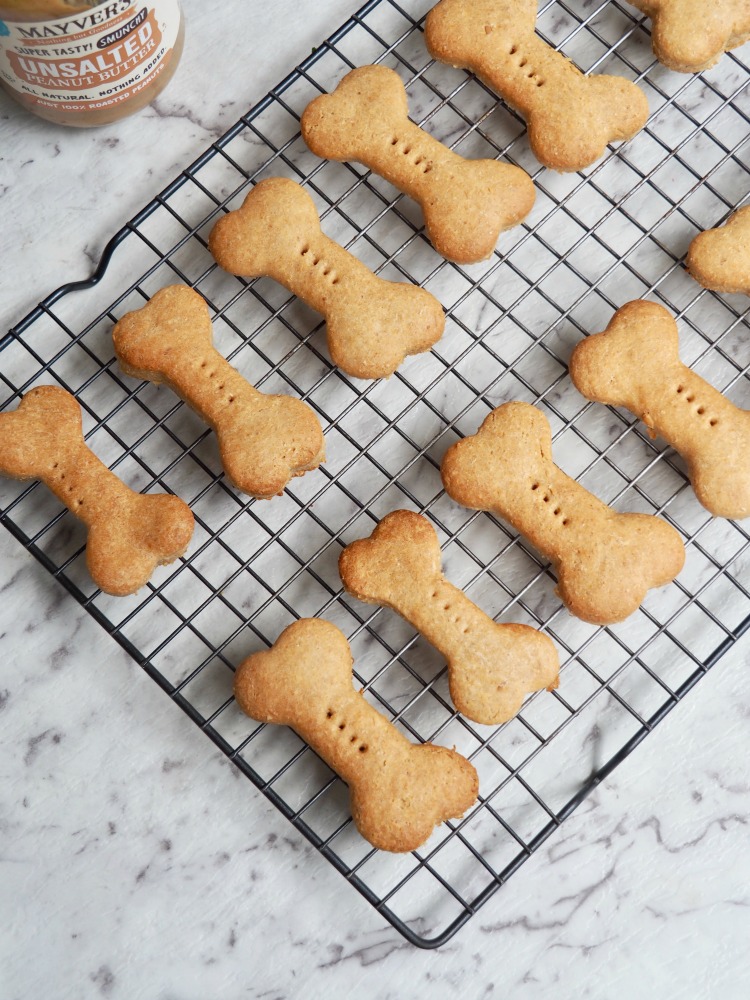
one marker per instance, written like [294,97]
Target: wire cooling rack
[614,232]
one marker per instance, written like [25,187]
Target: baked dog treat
[129,534]
[373,324]
[399,790]
[720,258]
[263,440]
[605,561]
[466,203]
[635,363]
[692,35]
[491,666]
[571,118]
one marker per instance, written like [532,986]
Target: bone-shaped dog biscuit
[372,324]
[635,363]
[720,258]
[491,666]
[466,203]
[692,35]
[129,534]
[605,561]
[571,118]
[263,440]
[399,790]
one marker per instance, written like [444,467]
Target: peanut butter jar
[83,63]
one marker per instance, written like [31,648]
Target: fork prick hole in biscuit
[362,748]
[713,423]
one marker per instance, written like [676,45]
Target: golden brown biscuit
[399,790]
[373,324]
[605,561]
[692,35]
[264,440]
[129,534]
[571,117]
[491,666]
[635,363]
[720,258]
[466,203]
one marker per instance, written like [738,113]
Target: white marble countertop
[135,861]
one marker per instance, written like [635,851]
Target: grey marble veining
[135,861]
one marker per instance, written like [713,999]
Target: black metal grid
[616,231]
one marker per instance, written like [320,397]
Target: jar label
[91,60]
